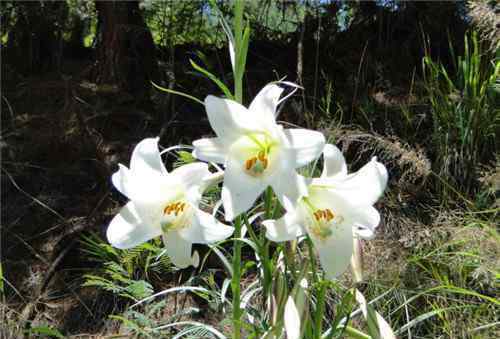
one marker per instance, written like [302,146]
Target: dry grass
[486,19]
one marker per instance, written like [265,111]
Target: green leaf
[212,77]
[139,289]
[184,158]
[344,309]
[182,94]
[243,52]
[1,280]
[45,331]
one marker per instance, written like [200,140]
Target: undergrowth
[465,112]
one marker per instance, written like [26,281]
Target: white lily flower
[337,207]
[256,151]
[163,203]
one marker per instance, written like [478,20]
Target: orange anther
[261,156]
[265,162]
[329,214]
[317,215]
[250,162]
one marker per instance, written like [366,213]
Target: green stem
[312,258]
[238,37]
[266,260]
[250,230]
[320,310]
[235,281]
[238,94]
[268,202]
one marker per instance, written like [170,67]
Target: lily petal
[123,181]
[127,229]
[289,187]
[205,229]
[209,149]
[229,119]
[240,190]
[146,158]
[190,174]
[285,228]
[147,176]
[264,104]
[365,223]
[144,190]
[179,250]
[364,187]
[333,162]
[336,250]
[306,145]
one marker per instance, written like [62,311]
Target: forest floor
[61,141]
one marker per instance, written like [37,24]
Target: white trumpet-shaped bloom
[163,203]
[337,206]
[256,151]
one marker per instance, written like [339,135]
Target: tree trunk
[125,49]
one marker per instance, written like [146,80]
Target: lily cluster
[256,153]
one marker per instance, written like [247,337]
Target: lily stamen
[326,214]
[258,164]
[261,156]
[249,163]
[176,208]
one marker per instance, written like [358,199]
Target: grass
[465,113]
[448,288]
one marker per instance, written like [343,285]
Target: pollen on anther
[265,162]
[329,214]
[317,215]
[261,156]
[249,163]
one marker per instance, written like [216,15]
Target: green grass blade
[171,91]
[213,78]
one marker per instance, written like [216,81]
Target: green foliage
[180,22]
[44,332]
[126,273]
[183,158]
[115,279]
[149,319]
[143,324]
[214,79]
[465,112]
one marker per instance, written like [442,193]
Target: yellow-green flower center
[321,222]
[256,165]
[258,148]
[176,215]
